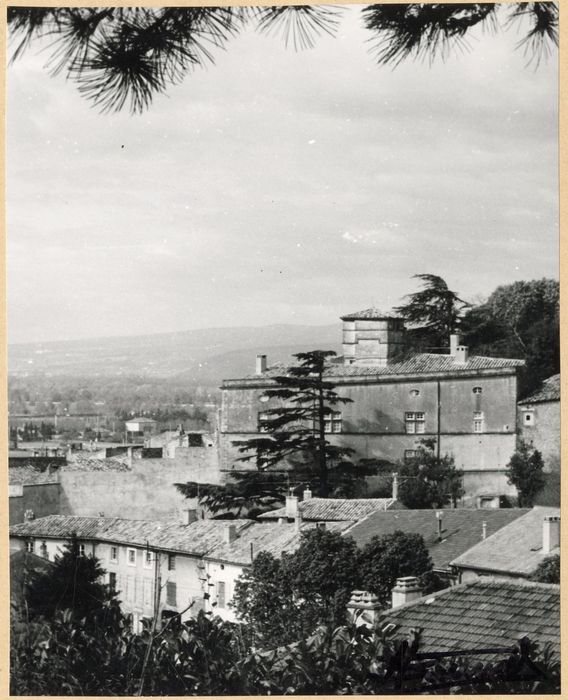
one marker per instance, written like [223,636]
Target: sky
[278,187]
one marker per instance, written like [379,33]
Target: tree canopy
[122,57]
[428,480]
[525,472]
[434,311]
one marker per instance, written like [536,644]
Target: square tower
[371,337]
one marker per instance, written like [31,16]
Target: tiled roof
[96,464]
[462,528]
[28,474]
[515,549]
[482,614]
[201,538]
[273,538]
[198,538]
[336,508]
[424,363]
[550,391]
[369,314]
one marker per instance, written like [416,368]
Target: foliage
[519,320]
[428,480]
[384,559]
[548,571]
[284,600]
[434,311]
[124,56]
[525,471]
[207,656]
[72,583]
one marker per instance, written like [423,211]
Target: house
[137,429]
[481,614]
[22,565]
[447,534]
[173,567]
[515,551]
[467,404]
[329,509]
[539,422]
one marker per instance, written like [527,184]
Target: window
[131,557]
[410,454]
[30,546]
[112,581]
[171,594]
[147,559]
[81,550]
[414,392]
[414,422]
[262,419]
[477,390]
[171,562]
[478,421]
[221,594]
[43,550]
[333,422]
[114,554]
[528,418]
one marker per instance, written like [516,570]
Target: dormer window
[415,392]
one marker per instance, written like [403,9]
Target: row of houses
[180,567]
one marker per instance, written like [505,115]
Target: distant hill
[204,356]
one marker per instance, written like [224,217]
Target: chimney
[260,364]
[230,533]
[462,354]
[439,516]
[307,494]
[454,343]
[395,486]
[291,506]
[363,608]
[28,515]
[188,515]
[406,590]
[550,533]
[484,530]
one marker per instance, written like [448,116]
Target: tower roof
[369,314]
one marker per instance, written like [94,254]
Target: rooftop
[481,614]
[423,363]
[549,391]
[515,549]
[204,538]
[373,314]
[96,464]
[462,528]
[27,474]
[330,509]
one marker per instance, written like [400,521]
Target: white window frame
[128,552]
[114,558]
[82,550]
[147,559]
[528,417]
[221,594]
[333,423]
[415,422]
[478,422]
[30,546]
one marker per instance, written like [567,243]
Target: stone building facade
[539,422]
[467,404]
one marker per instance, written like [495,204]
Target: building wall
[146,491]
[543,430]
[42,499]
[135,582]
[374,423]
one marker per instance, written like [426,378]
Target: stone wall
[543,431]
[42,499]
